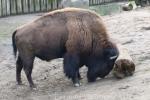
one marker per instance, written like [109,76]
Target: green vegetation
[106,9]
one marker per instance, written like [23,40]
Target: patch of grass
[106,9]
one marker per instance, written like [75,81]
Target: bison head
[101,66]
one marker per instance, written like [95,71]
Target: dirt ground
[132,29]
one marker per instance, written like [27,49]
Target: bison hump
[80,37]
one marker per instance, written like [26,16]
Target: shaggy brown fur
[77,35]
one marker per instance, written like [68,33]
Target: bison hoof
[19,83]
[77,84]
[33,87]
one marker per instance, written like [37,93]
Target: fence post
[28,5]
[6,8]
[40,5]
[10,7]
[43,5]
[51,5]
[1,7]
[34,6]
[22,6]
[57,1]
[92,2]
[16,6]
[46,4]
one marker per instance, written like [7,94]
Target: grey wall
[75,3]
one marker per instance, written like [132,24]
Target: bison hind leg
[27,61]
[71,68]
[19,67]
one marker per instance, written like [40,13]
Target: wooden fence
[100,2]
[14,7]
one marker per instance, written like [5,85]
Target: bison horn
[113,57]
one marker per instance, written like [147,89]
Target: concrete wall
[75,3]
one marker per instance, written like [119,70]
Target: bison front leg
[91,76]
[71,68]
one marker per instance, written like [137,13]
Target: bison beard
[77,35]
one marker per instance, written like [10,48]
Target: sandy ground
[132,29]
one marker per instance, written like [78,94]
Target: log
[124,65]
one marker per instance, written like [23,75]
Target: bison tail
[14,43]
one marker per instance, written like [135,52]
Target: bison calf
[77,35]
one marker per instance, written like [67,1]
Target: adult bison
[77,35]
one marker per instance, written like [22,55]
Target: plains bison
[77,35]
